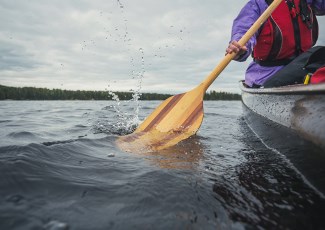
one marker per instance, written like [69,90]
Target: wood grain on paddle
[180,116]
[176,119]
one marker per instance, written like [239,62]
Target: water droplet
[111,155]
[54,224]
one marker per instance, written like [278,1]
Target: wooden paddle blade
[174,120]
[176,113]
[145,142]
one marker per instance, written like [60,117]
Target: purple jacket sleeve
[318,6]
[245,19]
[251,12]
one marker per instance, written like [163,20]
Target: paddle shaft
[227,59]
[180,116]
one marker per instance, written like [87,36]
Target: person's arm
[318,6]
[245,19]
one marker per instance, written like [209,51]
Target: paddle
[180,116]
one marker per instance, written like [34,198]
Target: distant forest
[32,93]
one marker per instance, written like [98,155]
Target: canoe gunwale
[289,90]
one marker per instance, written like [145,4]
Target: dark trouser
[256,86]
[295,71]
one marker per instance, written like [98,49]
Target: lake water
[60,169]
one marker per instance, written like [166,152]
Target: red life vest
[287,33]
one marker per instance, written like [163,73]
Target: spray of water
[124,122]
[127,122]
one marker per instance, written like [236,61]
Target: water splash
[119,118]
[120,4]
[139,77]
[124,122]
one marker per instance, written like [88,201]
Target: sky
[161,46]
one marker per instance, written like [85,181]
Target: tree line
[32,93]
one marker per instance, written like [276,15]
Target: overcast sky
[156,45]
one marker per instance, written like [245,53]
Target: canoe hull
[299,108]
[291,121]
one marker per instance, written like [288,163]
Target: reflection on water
[185,155]
[266,192]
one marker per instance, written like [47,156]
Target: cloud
[166,46]
[15,57]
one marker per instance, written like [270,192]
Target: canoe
[298,107]
[290,120]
